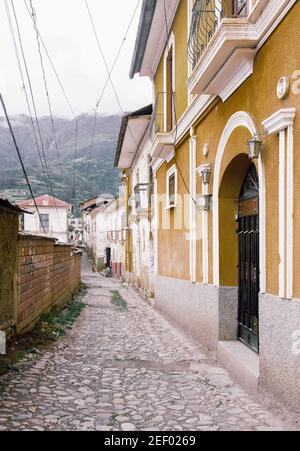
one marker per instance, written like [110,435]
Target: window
[169,85]
[44,223]
[172,187]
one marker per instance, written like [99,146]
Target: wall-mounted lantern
[204,202]
[255,147]
[205,172]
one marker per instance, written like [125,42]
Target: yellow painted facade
[180,33]
[257,97]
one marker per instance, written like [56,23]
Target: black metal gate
[248,233]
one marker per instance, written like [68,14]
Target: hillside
[98,176]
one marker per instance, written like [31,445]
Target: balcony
[117,236]
[224,38]
[206,19]
[161,126]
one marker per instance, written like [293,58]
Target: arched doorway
[248,260]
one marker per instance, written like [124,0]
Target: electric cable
[21,160]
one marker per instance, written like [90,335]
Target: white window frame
[170,46]
[172,171]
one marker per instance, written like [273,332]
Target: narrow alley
[124,367]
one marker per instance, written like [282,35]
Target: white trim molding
[158,37]
[193,192]
[236,70]
[280,120]
[282,123]
[239,119]
[172,171]
[205,259]
[211,72]
[170,46]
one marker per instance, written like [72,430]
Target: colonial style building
[104,233]
[51,220]
[132,157]
[224,135]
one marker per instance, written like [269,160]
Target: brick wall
[9,225]
[48,275]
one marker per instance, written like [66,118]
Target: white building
[104,233]
[132,153]
[75,230]
[52,219]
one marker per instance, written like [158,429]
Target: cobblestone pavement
[127,370]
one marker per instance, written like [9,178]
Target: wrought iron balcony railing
[163,116]
[206,19]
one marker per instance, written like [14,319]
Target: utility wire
[34,106]
[168,32]
[12,32]
[104,89]
[21,160]
[52,64]
[73,189]
[108,72]
[115,61]
[49,106]
[74,166]
[92,146]
[29,83]
[106,65]
[46,89]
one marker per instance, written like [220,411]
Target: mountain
[92,176]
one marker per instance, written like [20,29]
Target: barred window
[44,223]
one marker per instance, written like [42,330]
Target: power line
[73,189]
[92,146]
[34,106]
[21,161]
[29,81]
[115,61]
[52,64]
[50,109]
[108,72]
[23,80]
[74,166]
[105,86]
[46,89]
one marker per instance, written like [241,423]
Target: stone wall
[48,275]
[206,312]
[8,263]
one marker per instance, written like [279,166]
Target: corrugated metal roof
[6,205]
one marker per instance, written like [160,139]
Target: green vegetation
[118,301]
[50,327]
[55,324]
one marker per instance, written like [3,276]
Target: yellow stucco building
[224,137]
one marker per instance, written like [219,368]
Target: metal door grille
[248,315]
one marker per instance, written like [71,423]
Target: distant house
[75,230]
[52,220]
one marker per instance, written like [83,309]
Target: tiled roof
[45,201]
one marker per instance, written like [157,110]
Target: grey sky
[66,29]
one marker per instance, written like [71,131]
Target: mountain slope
[92,176]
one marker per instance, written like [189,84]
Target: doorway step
[241,363]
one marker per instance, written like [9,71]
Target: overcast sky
[67,32]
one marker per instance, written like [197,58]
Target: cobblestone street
[127,369]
